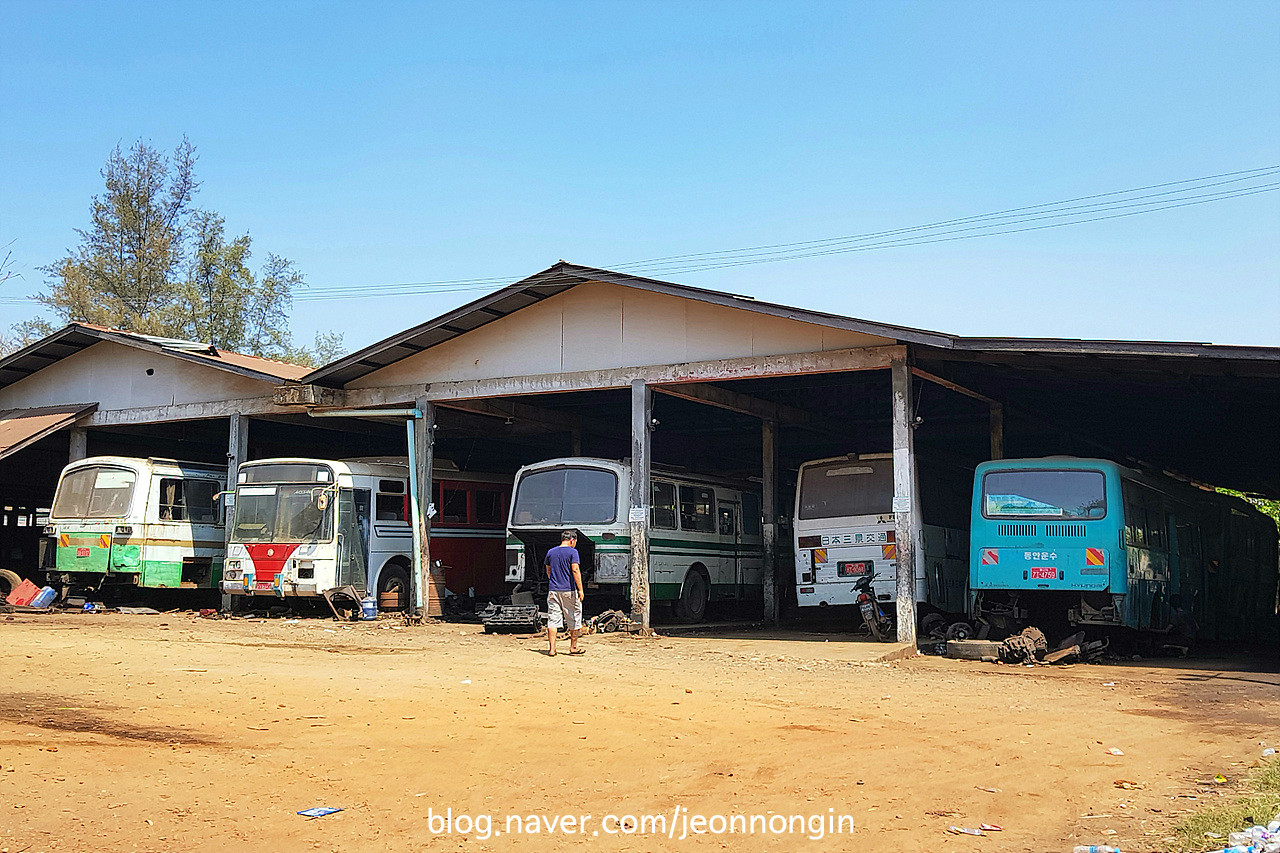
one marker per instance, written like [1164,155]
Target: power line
[936,232]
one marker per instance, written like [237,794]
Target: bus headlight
[613,567]
[231,570]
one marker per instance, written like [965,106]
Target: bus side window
[663,506]
[171,504]
[453,506]
[751,518]
[489,507]
[391,503]
[696,513]
[199,500]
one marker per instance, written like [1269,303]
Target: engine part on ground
[972,649]
[511,616]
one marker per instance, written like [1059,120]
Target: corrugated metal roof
[22,427]
[79,336]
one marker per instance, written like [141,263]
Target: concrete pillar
[237,452]
[769,513]
[638,516]
[79,444]
[997,430]
[904,498]
[428,587]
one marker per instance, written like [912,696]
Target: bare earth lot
[176,733]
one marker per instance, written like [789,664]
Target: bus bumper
[285,589]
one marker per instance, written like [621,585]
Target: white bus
[704,533]
[844,528]
[123,521]
[305,526]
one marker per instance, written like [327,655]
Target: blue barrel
[44,597]
[368,608]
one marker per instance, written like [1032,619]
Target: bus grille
[1016,529]
[1064,530]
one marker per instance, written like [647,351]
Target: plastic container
[44,597]
[368,608]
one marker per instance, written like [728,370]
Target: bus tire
[9,579]
[394,578]
[691,607]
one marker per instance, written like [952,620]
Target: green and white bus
[124,522]
[704,533]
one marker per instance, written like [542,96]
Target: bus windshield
[94,492]
[565,496]
[292,513]
[844,487]
[1068,495]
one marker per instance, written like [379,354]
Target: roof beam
[513,411]
[749,367]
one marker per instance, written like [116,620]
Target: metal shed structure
[92,390]
[584,351]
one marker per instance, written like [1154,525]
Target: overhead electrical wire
[1079,210]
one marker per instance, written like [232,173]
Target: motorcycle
[878,622]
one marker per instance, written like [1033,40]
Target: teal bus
[1068,542]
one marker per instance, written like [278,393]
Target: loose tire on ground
[8,582]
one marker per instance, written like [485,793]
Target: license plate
[262,585]
[82,552]
[852,569]
[868,610]
[1044,573]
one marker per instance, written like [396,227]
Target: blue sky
[428,142]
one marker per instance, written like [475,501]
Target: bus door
[730,540]
[353,538]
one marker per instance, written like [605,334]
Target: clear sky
[380,143]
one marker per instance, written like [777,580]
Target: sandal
[577,651]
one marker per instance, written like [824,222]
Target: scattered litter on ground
[1128,785]
[466,681]
[319,811]
[1115,751]
[148,611]
[988,790]
[964,830]
[1268,752]
[990,827]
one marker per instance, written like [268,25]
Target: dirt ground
[172,732]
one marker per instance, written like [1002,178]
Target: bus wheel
[393,581]
[10,579]
[692,605]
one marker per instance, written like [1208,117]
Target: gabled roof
[75,337]
[21,428]
[563,276]
[557,279]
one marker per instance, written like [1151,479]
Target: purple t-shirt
[561,559]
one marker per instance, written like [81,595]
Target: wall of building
[603,326]
[115,376]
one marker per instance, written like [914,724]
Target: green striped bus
[704,533]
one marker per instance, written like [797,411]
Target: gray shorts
[564,610]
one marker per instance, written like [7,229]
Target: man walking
[564,601]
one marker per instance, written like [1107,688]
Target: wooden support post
[904,498]
[641,445]
[769,513]
[427,593]
[997,430]
[79,444]
[237,452]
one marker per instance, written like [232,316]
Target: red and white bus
[305,526]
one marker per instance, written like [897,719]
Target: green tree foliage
[152,262]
